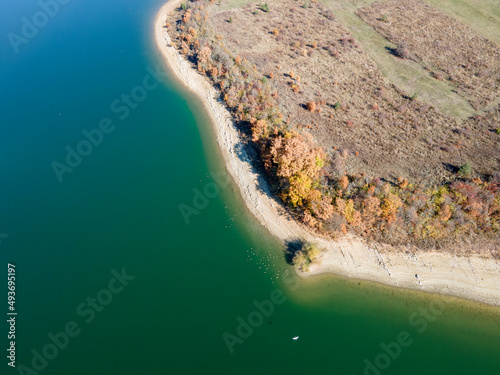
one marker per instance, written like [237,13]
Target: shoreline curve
[473,277]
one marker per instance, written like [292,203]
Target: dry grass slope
[411,77]
[364,113]
[481,15]
[445,47]
[391,167]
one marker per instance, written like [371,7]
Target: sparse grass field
[447,48]
[406,74]
[368,113]
[481,15]
[403,154]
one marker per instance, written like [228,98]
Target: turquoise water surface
[104,255]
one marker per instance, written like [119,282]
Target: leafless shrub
[402,50]
[438,75]
[329,14]
[333,52]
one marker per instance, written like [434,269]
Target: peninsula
[395,186]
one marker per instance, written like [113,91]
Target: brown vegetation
[334,160]
[394,135]
[448,48]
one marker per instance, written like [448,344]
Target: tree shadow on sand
[249,155]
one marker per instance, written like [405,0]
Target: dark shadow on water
[291,247]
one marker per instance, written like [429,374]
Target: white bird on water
[295,338]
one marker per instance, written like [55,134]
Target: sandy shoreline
[473,277]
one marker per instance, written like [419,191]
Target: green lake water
[190,285]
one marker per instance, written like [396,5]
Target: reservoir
[134,253]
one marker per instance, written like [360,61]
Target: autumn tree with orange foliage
[298,163]
[344,182]
[311,106]
[371,210]
[390,206]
